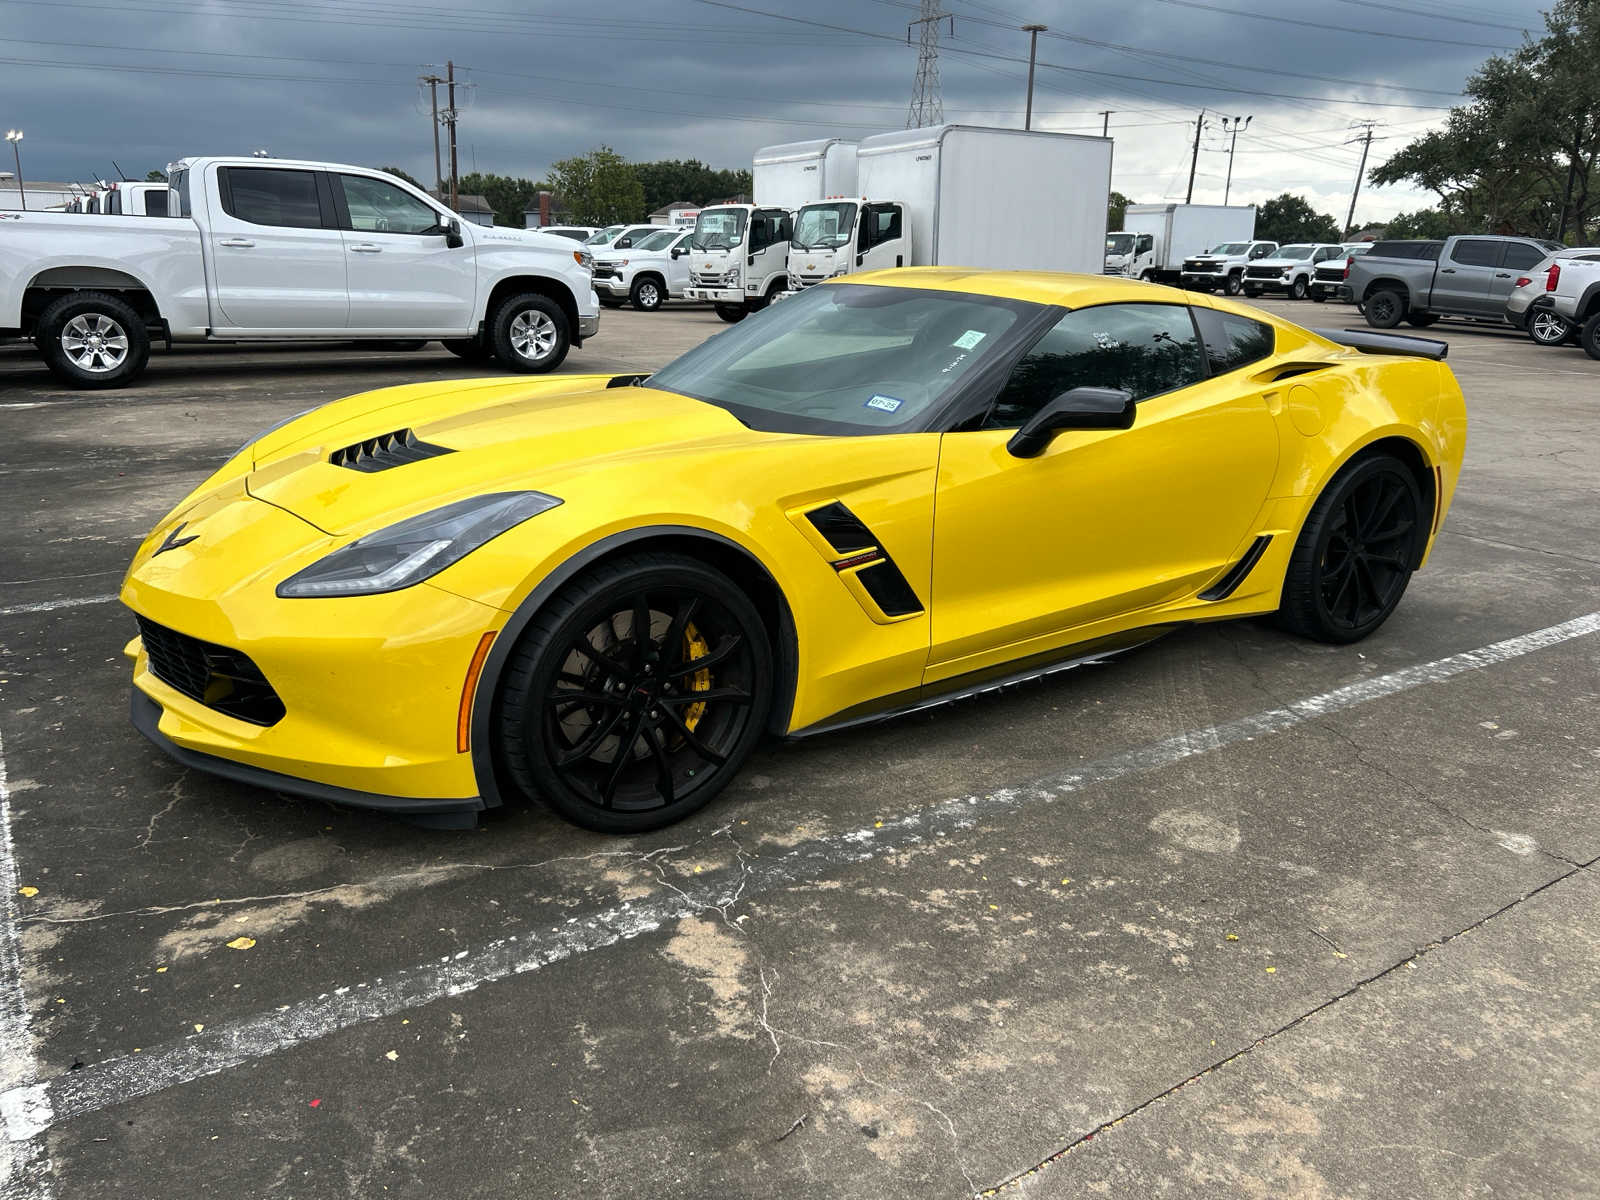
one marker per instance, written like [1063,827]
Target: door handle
[366,248]
[1447,270]
[236,243]
[1502,274]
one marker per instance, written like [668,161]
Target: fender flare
[786,650]
[1588,303]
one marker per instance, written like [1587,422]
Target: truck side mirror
[452,235]
[677,252]
[1079,408]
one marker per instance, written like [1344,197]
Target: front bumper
[1276,284]
[588,326]
[722,295]
[1330,289]
[612,285]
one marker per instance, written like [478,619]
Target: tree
[155,177]
[599,188]
[510,197]
[1288,218]
[1424,223]
[688,179]
[399,174]
[1523,154]
[1116,211]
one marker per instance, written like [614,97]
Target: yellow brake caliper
[695,646]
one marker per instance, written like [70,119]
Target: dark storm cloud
[91,81]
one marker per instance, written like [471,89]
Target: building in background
[40,195]
[472,208]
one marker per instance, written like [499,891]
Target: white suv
[652,270]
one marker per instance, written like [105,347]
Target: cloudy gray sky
[146,81]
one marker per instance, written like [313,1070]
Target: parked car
[1223,266]
[1288,269]
[578,233]
[1531,305]
[1575,296]
[653,270]
[288,250]
[1465,276]
[1328,281]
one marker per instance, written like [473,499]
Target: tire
[1589,339]
[1252,293]
[679,752]
[1548,328]
[1318,298]
[1385,309]
[470,349]
[1338,588]
[93,340]
[731,313]
[1234,285]
[611,302]
[1146,277]
[647,294]
[1298,289]
[1421,320]
[530,334]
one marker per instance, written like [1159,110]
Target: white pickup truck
[1574,287]
[279,250]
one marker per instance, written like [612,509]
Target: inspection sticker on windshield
[969,339]
[884,403]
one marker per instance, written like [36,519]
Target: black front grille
[1331,274]
[385,451]
[1262,272]
[220,678]
[604,270]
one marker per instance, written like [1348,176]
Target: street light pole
[1033,32]
[14,136]
[1238,124]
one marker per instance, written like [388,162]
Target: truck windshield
[719,229]
[848,360]
[658,241]
[1231,248]
[1293,252]
[606,236]
[823,226]
[1119,243]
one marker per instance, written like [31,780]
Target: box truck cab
[1131,254]
[835,237]
[1155,237]
[739,258]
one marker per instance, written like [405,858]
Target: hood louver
[385,451]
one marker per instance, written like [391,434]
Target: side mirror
[452,235]
[1080,408]
[677,252]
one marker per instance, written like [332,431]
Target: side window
[1145,244]
[379,207]
[760,237]
[1146,349]
[114,203]
[179,187]
[1520,257]
[268,196]
[1476,252]
[887,226]
[1232,341]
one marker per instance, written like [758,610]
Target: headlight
[414,550]
[584,259]
[734,277]
[842,269]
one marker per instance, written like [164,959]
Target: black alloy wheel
[1548,328]
[1590,338]
[637,693]
[1385,309]
[1356,553]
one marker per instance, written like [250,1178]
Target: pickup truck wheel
[646,295]
[1385,309]
[1252,292]
[1318,297]
[530,334]
[470,349]
[1235,284]
[94,340]
[731,313]
[1548,328]
[1421,320]
[1590,338]
[1298,289]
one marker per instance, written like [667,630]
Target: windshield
[719,229]
[657,241]
[1359,249]
[1294,252]
[1231,248]
[1119,243]
[847,359]
[606,236]
[823,226]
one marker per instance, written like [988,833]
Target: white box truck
[797,173]
[1155,238]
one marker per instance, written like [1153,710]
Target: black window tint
[114,204]
[1476,252]
[888,225]
[1232,341]
[1145,349]
[269,196]
[1519,257]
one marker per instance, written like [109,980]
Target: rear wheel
[1549,328]
[1355,554]
[93,340]
[1385,309]
[530,333]
[636,694]
[731,313]
[1590,338]
[647,293]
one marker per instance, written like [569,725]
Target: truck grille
[1262,272]
[805,281]
[1196,267]
[710,279]
[605,270]
[1330,274]
[221,679]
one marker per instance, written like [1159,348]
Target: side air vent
[1240,570]
[841,528]
[385,451]
[889,589]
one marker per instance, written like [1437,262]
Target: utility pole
[1194,160]
[1365,138]
[433,82]
[927,106]
[1233,129]
[1033,32]
[450,80]
[14,136]
[1105,122]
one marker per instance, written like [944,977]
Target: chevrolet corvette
[601,592]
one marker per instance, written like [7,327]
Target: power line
[1383,33]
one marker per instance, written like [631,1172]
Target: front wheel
[1355,554]
[530,334]
[1252,292]
[1298,290]
[93,340]
[646,295]
[1146,277]
[637,693]
[1385,309]
[1590,338]
[1234,285]
[731,313]
[1319,297]
[1548,328]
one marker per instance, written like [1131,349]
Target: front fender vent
[385,451]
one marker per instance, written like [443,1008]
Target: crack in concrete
[176,792]
[1487,541]
[1010,1183]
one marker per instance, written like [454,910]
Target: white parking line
[18,610]
[221,1047]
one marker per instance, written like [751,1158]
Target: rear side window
[1477,252]
[272,196]
[1428,250]
[1232,341]
[1520,257]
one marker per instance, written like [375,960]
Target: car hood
[487,436]
[1283,263]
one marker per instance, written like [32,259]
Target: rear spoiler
[1368,342]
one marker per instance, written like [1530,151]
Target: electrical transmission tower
[927,106]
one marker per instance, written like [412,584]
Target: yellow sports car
[601,591]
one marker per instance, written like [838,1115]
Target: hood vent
[385,451]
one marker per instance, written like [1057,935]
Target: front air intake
[385,451]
